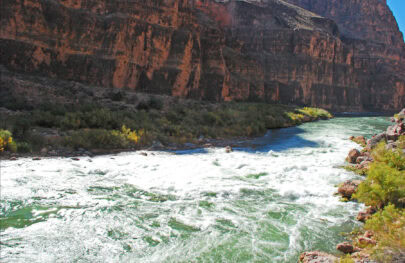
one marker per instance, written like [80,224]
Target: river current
[264,203]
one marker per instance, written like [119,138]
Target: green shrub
[383,185]
[351,168]
[315,112]
[296,118]
[211,118]
[95,119]
[117,95]
[96,139]
[24,147]
[346,259]
[151,103]
[46,119]
[36,141]
[12,147]
[393,158]
[388,227]
[104,139]
[21,128]
[401,142]
[156,103]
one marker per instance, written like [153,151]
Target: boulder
[396,130]
[345,247]
[143,154]
[366,153]
[352,156]
[364,165]
[361,159]
[392,133]
[366,214]
[228,149]
[348,188]
[36,158]
[376,139]
[317,257]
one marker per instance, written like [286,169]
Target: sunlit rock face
[269,50]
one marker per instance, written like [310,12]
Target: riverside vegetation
[93,127]
[382,162]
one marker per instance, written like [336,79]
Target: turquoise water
[265,203]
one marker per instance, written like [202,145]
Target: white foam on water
[249,205]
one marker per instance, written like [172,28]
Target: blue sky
[398,8]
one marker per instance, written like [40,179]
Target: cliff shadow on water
[276,140]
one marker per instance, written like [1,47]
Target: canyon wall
[301,52]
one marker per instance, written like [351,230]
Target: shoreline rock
[346,248]
[317,257]
[371,143]
[352,156]
[348,188]
[362,216]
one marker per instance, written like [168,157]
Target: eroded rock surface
[215,50]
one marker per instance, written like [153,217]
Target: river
[264,203]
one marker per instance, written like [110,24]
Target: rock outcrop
[317,257]
[353,155]
[364,215]
[348,188]
[345,247]
[264,50]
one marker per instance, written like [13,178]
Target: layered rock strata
[267,50]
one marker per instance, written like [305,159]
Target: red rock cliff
[230,50]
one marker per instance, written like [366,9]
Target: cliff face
[230,50]
[370,20]
[370,29]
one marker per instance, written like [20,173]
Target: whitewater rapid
[264,203]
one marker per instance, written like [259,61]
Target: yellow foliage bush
[295,117]
[132,136]
[315,112]
[6,141]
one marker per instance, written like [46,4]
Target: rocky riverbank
[382,162]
